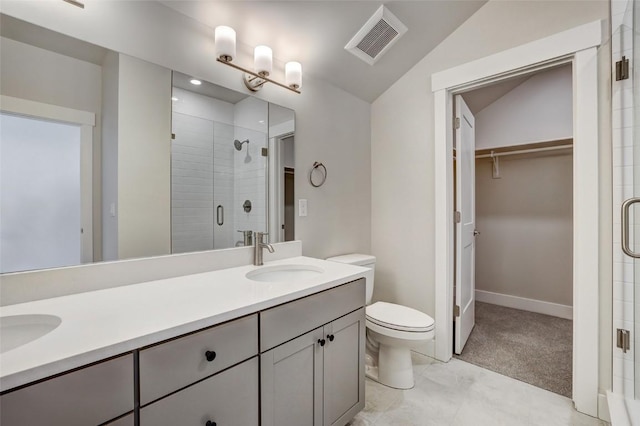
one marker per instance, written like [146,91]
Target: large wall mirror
[106,157]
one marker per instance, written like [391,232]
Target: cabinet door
[344,368]
[229,398]
[291,385]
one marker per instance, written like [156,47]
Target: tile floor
[462,394]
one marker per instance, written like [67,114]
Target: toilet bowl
[392,332]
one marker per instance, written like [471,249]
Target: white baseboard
[531,305]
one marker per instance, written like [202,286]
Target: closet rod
[524,151]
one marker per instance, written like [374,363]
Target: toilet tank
[364,260]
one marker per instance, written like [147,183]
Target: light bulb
[225,39]
[293,74]
[263,60]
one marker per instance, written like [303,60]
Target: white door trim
[86,121]
[579,46]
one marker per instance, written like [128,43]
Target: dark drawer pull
[331,337]
[321,342]
[210,355]
[210,423]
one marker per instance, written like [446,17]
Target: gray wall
[526,224]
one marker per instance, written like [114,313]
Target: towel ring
[317,165]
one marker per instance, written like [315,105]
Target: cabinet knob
[321,342]
[210,423]
[210,355]
[330,337]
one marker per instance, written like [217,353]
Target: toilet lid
[398,317]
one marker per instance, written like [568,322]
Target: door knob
[476,232]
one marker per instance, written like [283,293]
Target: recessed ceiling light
[261,121]
[173,98]
[195,82]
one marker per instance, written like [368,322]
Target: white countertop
[100,324]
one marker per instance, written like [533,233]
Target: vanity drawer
[172,365]
[228,398]
[285,322]
[88,396]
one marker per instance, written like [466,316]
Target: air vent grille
[377,39]
[380,32]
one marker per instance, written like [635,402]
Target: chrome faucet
[259,244]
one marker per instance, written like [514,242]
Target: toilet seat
[399,318]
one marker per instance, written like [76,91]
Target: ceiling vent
[380,32]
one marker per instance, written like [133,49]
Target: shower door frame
[579,47]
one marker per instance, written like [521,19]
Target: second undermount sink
[284,273]
[18,330]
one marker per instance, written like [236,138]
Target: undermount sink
[284,273]
[18,330]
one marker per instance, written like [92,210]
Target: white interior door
[466,225]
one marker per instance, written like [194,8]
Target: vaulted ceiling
[315,33]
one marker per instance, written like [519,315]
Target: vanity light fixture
[225,39]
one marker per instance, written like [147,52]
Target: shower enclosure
[218,171]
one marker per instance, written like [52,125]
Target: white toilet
[392,331]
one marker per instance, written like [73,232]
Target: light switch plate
[302,207]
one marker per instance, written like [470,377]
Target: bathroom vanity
[270,353]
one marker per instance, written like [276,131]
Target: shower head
[238,144]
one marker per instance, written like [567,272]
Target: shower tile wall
[622,125]
[251,117]
[223,181]
[202,173]
[191,184]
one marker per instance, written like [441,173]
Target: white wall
[538,110]
[110,71]
[22,75]
[525,219]
[144,156]
[332,126]
[136,158]
[402,148]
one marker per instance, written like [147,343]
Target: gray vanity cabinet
[292,382]
[207,376]
[230,398]
[317,378]
[344,368]
[88,396]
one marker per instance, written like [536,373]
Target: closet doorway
[516,316]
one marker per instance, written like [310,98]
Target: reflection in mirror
[140,193]
[218,166]
[281,173]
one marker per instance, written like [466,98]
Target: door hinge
[622,69]
[456,123]
[173,136]
[456,217]
[623,340]
[456,311]
[265,152]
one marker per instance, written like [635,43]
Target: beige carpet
[534,348]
